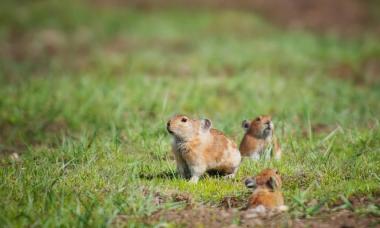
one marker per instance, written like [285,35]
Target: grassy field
[85,95]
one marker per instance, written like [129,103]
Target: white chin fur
[282,208]
[250,185]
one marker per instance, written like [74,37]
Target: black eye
[184,120]
[258,119]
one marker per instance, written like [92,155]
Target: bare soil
[366,72]
[347,17]
[220,217]
[231,212]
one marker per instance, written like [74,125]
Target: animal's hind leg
[196,172]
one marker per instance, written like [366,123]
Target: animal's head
[268,178]
[184,128]
[260,127]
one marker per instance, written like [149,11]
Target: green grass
[86,109]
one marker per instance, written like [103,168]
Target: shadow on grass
[163,175]
[173,175]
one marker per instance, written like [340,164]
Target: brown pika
[266,190]
[259,137]
[199,148]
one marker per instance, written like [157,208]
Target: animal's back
[222,153]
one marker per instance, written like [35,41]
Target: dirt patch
[44,50]
[198,217]
[169,196]
[56,126]
[40,50]
[217,217]
[230,202]
[15,138]
[359,200]
[6,148]
[342,16]
[319,128]
[366,72]
[342,218]
[21,46]
[158,199]
[232,213]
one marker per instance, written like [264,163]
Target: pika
[259,137]
[266,190]
[199,148]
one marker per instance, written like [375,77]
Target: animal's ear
[250,183]
[206,124]
[245,124]
[272,183]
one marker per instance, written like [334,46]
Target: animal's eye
[258,119]
[184,120]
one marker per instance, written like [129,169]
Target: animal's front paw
[277,156]
[230,176]
[194,179]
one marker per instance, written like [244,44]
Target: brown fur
[267,190]
[198,148]
[258,136]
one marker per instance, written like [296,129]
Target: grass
[85,95]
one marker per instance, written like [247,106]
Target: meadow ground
[85,92]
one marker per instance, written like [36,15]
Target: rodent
[199,148]
[259,136]
[266,190]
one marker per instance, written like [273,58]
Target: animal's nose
[168,127]
[250,183]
